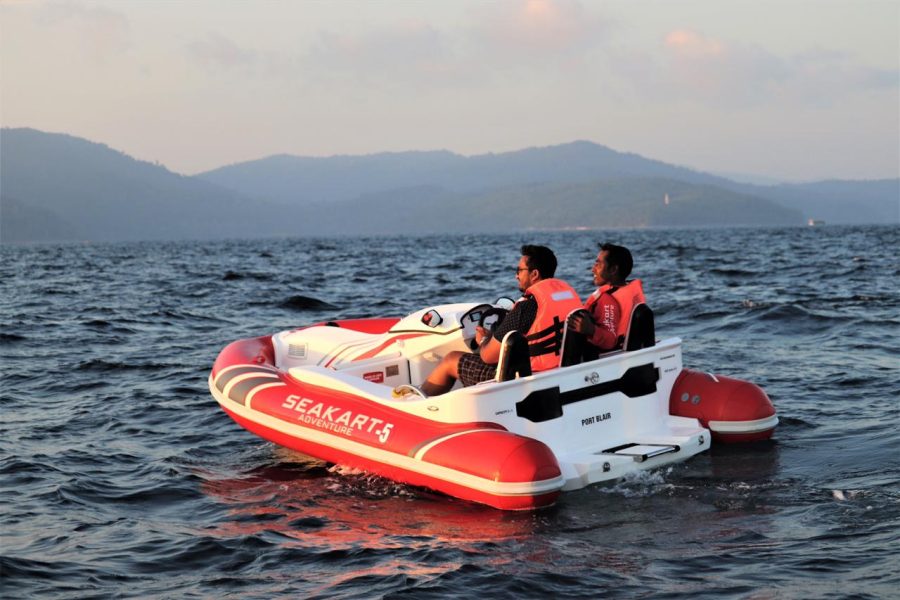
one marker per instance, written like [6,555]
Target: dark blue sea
[120,477]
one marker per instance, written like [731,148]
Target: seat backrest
[514,360]
[573,344]
[641,331]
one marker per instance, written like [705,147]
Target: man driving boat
[539,315]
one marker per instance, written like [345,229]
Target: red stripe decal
[333,358]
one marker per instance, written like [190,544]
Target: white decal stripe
[743,426]
[262,369]
[244,376]
[393,459]
[421,453]
[260,388]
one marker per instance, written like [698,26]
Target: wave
[301,303]
[787,422]
[182,315]
[59,292]
[103,366]
[237,276]
[11,338]
[23,573]
[640,484]
[102,325]
[738,273]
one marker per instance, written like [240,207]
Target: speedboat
[516,442]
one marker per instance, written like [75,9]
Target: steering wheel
[500,313]
[494,311]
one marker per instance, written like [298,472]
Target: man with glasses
[539,315]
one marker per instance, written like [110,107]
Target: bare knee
[444,375]
[451,363]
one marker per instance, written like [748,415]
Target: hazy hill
[850,202]
[289,179]
[625,202]
[56,186]
[634,202]
[23,223]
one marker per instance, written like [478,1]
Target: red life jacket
[628,296]
[555,300]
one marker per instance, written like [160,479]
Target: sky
[792,90]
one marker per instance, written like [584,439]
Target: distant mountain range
[55,187]
[58,187]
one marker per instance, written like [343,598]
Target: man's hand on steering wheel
[483,334]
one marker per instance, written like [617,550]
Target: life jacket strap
[547,340]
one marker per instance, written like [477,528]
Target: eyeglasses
[520,269]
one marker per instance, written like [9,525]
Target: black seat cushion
[641,331]
[514,360]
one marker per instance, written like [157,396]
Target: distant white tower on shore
[666,199]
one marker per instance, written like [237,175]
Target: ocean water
[121,477]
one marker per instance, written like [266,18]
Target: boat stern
[684,440]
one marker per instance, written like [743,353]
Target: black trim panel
[546,404]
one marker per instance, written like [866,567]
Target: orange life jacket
[628,296]
[555,300]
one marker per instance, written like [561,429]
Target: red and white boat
[514,443]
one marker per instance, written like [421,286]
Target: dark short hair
[620,257]
[540,258]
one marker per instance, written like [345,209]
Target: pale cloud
[537,25]
[712,70]
[542,30]
[695,67]
[825,77]
[406,51]
[101,32]
[693,45]
[495,38]
[216,50]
